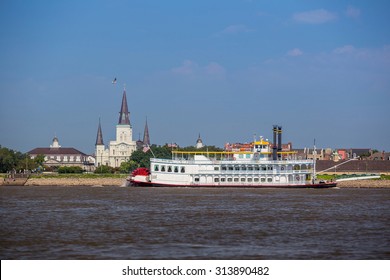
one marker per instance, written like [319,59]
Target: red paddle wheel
[141,171]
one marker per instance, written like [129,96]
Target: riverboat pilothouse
[263,165]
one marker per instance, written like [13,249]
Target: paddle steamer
[264,165]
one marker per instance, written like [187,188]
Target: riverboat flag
[145,149]
[114,81]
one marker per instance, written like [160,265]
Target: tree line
[14,160]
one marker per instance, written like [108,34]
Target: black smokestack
[274,145]
[280,142]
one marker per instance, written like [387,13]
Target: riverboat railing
[226,155]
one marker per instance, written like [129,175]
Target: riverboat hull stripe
[316,186]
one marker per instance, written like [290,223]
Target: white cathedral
[121,149]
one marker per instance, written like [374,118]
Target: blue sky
[224,69]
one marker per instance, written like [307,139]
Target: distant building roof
[55,151]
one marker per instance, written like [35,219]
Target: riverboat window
[250,168]
[242,179]
[163,168]
[230,168]
[243,168]
[216,180]
[235,179]
[249,179]
[256,179]
[156,167]
[269,168]
[230,179]
[217,168]
[223,168]
[262,179]
[297,167]
[236,167]
[223,179]
[263,168]
[269,180]
[240,156]
[176,169]
[248,156]
[257,168]
[196,179]
[182,169]
[303,167]
[169,168]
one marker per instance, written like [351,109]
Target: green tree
[127,167]
[70,169]
[104,169]
[10,159]
[40,159]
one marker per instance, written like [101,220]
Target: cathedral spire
[99,137]
[146,134]
[124,115]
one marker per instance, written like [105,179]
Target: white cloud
[347,49]
[215,69]
[352,12]
[295,52]
[235,29]
[190,68]
[315,16]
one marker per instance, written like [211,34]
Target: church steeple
[99,137]
[124,115]
[146,134]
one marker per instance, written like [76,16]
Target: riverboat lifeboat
[264,165]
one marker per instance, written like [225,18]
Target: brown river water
[184,223]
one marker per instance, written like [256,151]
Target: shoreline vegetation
[119,180]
